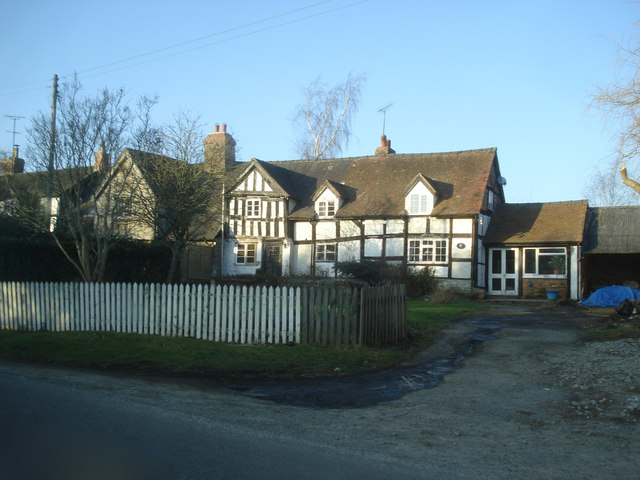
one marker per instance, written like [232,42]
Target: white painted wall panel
[464,252]
[462,225]
[461,270]
[325,269]
[394,247]
[326,230]
[373,247]
[349,228]
[439,225]
[418,225]
[395,226]
[374,227]
[301,231]
[301,260]
[349,251]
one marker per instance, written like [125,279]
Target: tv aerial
[383,110]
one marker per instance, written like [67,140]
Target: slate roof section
[612,230]
[374,186]
[551,223]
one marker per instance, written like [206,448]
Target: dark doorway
[273,259]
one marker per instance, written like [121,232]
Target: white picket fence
[238,314]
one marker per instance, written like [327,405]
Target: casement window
[431,251]
[419,204]
[326,252]
[326,208]
[253,207]
[246,253]
[545,261]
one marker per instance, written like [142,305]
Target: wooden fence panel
[342,317]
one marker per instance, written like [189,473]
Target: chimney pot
[385,146]
[216,129]
[224,128]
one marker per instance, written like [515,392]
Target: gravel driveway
[535,402]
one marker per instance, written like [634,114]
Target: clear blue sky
[514,75]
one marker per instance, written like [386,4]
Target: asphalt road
[62,424]
[493,410]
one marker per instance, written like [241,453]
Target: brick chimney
[385,146]
[14,164]
[103,160]
[219,151]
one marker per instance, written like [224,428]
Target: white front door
[503,273]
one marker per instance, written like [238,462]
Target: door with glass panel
[503,272]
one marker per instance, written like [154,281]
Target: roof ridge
[395,155]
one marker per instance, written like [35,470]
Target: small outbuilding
[535,248]
[611,251]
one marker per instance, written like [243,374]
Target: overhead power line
[24,87]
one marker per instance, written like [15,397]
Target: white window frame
[326,208]
[418,204]
[244,256]
[428,250]
[326,252]
[541,253]
[253,206]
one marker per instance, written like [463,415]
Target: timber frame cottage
[301,217]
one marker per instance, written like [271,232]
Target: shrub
[421,282]
[373,272]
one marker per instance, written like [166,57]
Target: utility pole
[52,141]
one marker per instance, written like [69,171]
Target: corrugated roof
[375,185]
[537,223]
[612,230]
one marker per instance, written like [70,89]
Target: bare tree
[324,119]
[620,101]
[182,207]
[605,189]
[84,125]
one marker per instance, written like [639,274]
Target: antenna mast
[15,118]
[384,116]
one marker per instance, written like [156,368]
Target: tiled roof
[36,182]
[612,230]
[537,223]
[375,185]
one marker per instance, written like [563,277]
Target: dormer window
[419,204]
[326,208]
[420,196]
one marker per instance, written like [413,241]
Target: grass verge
[606,325]
[191,357]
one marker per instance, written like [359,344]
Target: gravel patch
[603,376]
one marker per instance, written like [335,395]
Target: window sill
[551,276]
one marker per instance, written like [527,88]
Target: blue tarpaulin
[611,296]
